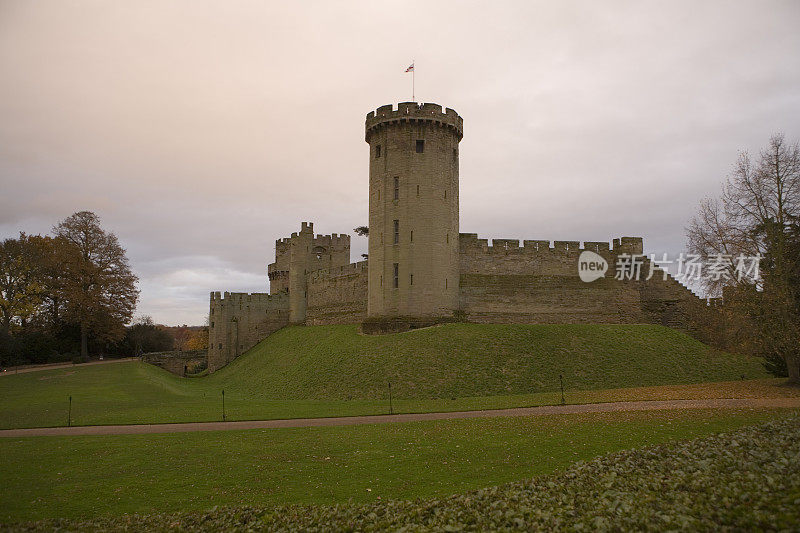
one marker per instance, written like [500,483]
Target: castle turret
[413,210]
[299,255]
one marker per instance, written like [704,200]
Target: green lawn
[334,371]
[106,476]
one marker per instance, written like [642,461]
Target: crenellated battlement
[346,270]
[471,242]
[409,112]
[257,298]
[334,240]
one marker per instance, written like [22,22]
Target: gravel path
[721,403]
[56,366]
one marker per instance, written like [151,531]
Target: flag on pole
[411,68]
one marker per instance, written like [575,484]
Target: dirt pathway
[55,366]
[722,403]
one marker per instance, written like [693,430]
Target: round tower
[413,210]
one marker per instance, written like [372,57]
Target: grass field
[106,476]
[333,371]
[746,479]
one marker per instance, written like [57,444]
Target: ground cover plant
[96,476]
[334,371]
[743,480]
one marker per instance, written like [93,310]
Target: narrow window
[420,146]
[417,191]
[381,237]
[396,275]
[412,279]
[379,195]
[445,283]
[220,346]
[381,280]
[212,324]
[412,235]
[396,231]
[396,188]
[377,151]
[447,238]
[445,194]
[455,153]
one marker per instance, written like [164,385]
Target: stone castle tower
[413,210]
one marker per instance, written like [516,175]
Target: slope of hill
[475,360]
[333,371]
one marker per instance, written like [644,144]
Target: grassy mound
[334,371]
[746,480]
[457,360]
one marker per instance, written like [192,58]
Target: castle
[420,270]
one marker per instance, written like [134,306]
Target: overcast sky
[201,131]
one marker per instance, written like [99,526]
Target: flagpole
[413,74]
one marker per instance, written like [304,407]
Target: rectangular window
[379,195]
[445,194]
[377,151]
[412,235]
[396,275]
[396,188]
[220,346]
[447,238]
[212,324]
[420,146]
[417,191]
[396,231]
[412,279]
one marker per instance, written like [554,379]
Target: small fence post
[561,378]
[223,405]
[69,413]
[391,410]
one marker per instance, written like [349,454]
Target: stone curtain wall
[338,295]
[239,321]
[537,283]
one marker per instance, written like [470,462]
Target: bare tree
[757,215]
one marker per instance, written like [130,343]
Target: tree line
[757,214]
[64,294]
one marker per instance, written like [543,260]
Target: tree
[99,288]
[758,215]
[21,287]
[198,340]
[181,336]
[144,337]
[362,231]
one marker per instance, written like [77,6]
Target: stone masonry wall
[337,295]
[238,321]
[537,283]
